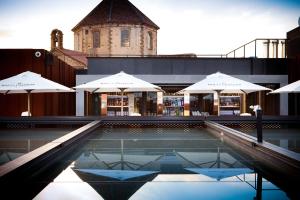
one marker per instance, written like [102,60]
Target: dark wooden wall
[15,61]
[293,53]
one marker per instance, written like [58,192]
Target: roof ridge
[115,11]
[140,13]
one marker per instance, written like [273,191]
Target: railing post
[259,125]
[255,48]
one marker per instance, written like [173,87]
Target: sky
[190,26]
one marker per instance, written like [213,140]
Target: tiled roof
[115,11]
[79,56]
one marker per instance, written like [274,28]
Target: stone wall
[110,40]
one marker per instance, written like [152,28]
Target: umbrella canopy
[29,82]
[120,82]
[290,88]
[219,82]
[222,83]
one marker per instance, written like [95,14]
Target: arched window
[125,38]
[149,40]
[96,39]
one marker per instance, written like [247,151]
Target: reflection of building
[116,28]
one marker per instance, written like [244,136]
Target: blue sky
[191,26]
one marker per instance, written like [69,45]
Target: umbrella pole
[122,112]
[28,102]
[218,92]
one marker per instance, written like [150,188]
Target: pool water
[157,163]
[17,142]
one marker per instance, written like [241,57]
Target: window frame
[96,39]
[150,40]
[125,41]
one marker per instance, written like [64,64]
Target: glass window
[125,40]
[149,40]
[96,39]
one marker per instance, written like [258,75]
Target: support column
[186,101]
[159,103]
[130,104]
[103,104]
[244,103]
[79,103]
[144,103]
[215,104]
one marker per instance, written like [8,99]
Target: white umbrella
[290,88]
[29,82]
[222,83]
[120,82]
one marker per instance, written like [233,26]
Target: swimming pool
[148,163]
[152,163]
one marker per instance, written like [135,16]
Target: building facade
[40,61]
[176,73]
[116,28]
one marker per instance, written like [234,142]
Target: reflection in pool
[288,138]
[159,164]
[17,142]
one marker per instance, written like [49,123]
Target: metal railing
[260,48]
[257,48]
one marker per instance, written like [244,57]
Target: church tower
[116,28]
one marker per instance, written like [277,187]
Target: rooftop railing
[258,48]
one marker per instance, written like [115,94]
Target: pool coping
[283,160]
[52,146]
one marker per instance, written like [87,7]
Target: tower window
[125,39]
[149,40]
[96,39]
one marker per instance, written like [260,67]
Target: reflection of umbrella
[220,173]
[115,184]
[290,88]
[222,83]
[29,82]
[120,82]
[117,174]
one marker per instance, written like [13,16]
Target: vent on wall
[37,54]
